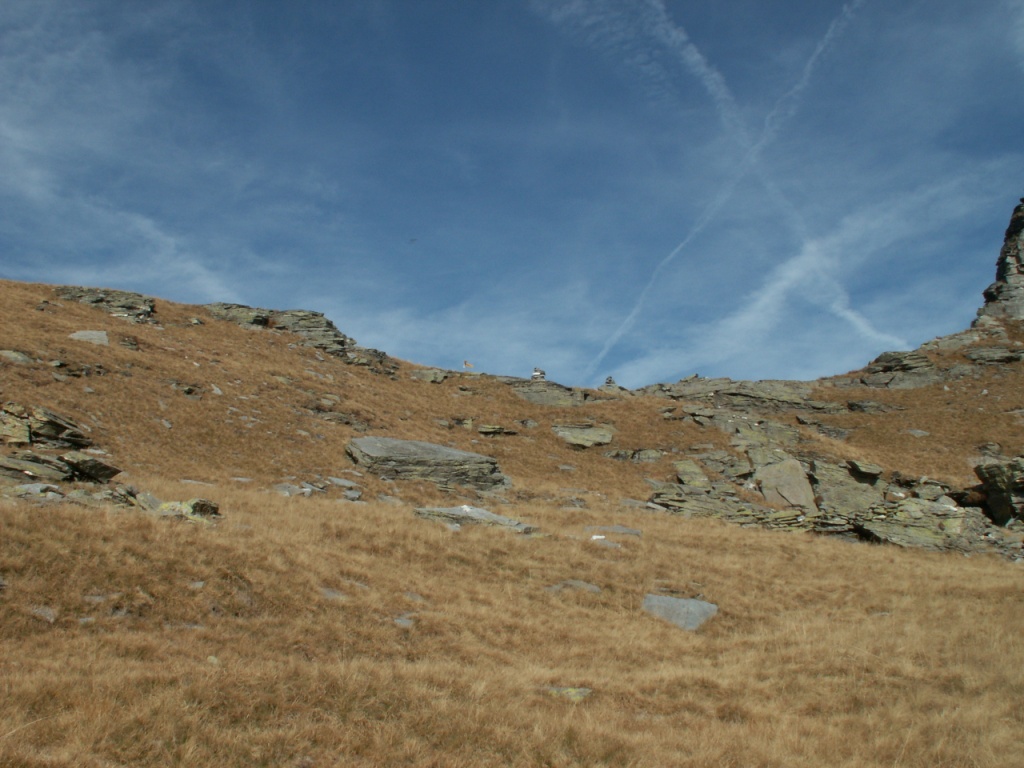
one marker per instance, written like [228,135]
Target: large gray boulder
[396,459]
[584,434]
[1005,297]
[685,613]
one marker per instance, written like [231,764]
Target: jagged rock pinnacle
[1005,297]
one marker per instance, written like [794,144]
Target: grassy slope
[824,653]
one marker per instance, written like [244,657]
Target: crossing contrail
[657,24]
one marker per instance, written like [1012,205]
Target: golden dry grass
[270,638]
[824,653]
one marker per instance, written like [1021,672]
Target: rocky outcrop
[994,355]
[901,370]
[1003,483]
[133,307]
[313,328]
[1005,297]
[446,467]
[915,522]
[767,396]
[20,425]
[854,499]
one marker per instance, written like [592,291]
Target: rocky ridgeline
[313,328]
[769,477]
[133,307]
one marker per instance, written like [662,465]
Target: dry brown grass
[824,652]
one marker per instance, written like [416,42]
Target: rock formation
[132,306]
[1005,297]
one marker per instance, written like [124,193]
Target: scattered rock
[393,459]
[493,430]
[685,613]
[196,510]
[639,456]
[18,358]
[432,375]
[619,530]
[99,338]
[44,612]
[468,515]
[584,434]
[88,467]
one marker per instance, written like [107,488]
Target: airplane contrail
[675,37]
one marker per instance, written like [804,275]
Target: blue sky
[638,188]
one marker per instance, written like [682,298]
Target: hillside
[865,578]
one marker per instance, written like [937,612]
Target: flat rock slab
[584,434]
[467,515]
[416,460]
[685,613]
[13,356]
[98,338]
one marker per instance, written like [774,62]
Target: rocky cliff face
[1005,297]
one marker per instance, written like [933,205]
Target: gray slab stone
[469,515]
[396,459]
[685,613]
[98,338]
